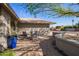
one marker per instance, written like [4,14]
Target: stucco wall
[41,31]
[70,47]
[4,28]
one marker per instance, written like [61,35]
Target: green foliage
[62,28]
[58,27]
[75,26]
[7,52]
[50,8]
[36,8]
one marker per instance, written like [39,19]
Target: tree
[77,24]
[47,8]
[70,12]
[51,9]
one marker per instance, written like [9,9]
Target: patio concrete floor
[41,46]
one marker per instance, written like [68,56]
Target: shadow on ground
[28,50]
[48,48]
[40,47]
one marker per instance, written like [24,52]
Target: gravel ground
[41,46]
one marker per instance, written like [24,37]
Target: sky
[22,13]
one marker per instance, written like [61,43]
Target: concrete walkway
[41,46]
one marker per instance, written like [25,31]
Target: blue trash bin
[12,42]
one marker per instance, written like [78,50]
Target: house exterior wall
[4,27]
[6,19]
[42,29]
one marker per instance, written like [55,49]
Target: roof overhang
[10,10]
[35,21]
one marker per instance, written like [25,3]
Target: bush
[62,28]
[7,52]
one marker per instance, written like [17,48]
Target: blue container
[12,42]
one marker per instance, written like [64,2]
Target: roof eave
[10,11]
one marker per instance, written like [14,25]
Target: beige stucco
[42,29]
[5,27]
